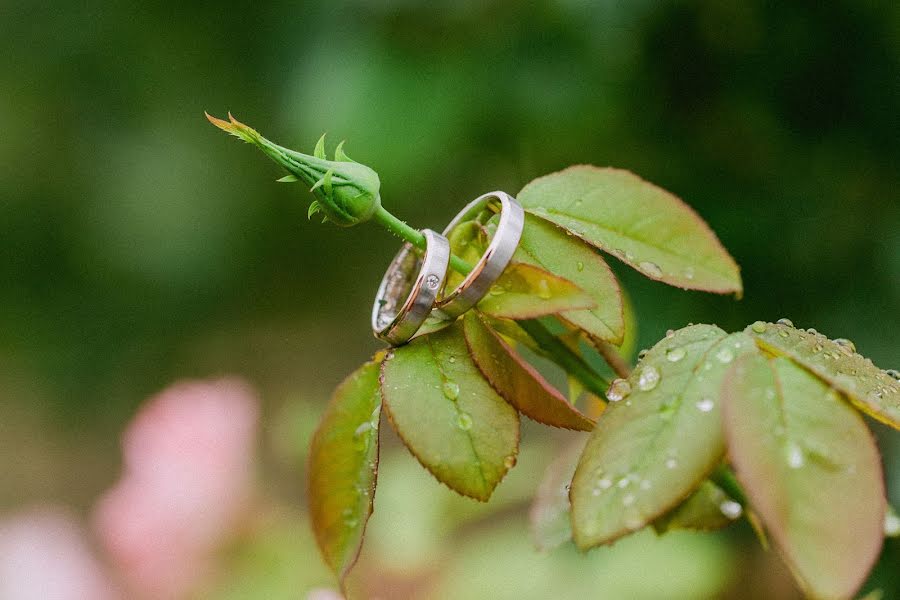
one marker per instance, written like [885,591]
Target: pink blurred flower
[187,481]
[44,556]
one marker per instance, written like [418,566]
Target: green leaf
[343,464]
[810,469]
[551,526]
[636,221]
[287,179]
[449,417]
[518,382]
[525,292]
[653,447]
[547,246]
[869,388]
[707,509]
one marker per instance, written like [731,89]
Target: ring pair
[412,288]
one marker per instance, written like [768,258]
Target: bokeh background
[139,246]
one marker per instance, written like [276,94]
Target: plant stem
[403,231]
[725,479]
[559,352]
[564,357]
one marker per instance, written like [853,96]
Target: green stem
[725,479]
[565,357]
[403,231]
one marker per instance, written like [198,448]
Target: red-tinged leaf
[526,292]
[553,249]
[518,382]
[870,389]
[658,438]
[448,415]
[343,465]
[636,221]
[810,469]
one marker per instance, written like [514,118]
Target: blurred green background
[139,245]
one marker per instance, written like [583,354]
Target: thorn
[319,152]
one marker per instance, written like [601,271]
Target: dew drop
[817,348]
[360,437]
[604,483]
[543,290]
[893,373]
[689,272]
[731,509]
[891,525]
[432,281]
[633,521]
[497,290]
[464,421]
[510,461]
[705,404]
[646,484]
[671,463]
[675,354]
[783,333]
[787,322]
[670,333]
[649,378]
[629,256]
[758,327]
[579,266]
[812,331]
[628,500]
[770,394]
[451,390]
[650,268]
[725,355]
[452,359]
[618,390]
[794,455]
[642,354]
[623,483]
[846,345]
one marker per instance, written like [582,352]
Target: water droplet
[510,461]
[671,463]
[623,483]
[689,272]
[464,421]
[705,404]
[770,394]
[650,268]
[758,327]
[731,509]
[846,345]
[579,266]
[794,455]
[812,331]
[893,373]
[633,520]
[891,525]
[350,519]
[725,355]
[642,354]
[543,290]
[646,484]
[787,322]
[670,333]
[648,378]
[675,354]
[817,348]
[432,281]
[451,390]
[619,389]
[452,359]
[628,500]
[497,290]
[629,256]
[783,333]
[605,483]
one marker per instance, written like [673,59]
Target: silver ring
[495,258]
[409,289]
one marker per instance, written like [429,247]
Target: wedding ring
[409,288]
[495,258]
